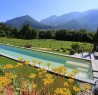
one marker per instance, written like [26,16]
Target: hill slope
[18,22]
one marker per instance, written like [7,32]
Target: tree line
[27,32]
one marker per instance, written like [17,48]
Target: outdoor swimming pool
[84,66]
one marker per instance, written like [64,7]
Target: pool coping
[79,79]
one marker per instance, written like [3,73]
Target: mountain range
[18,22]
[73,20]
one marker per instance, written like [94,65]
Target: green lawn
[4,60]
[45,43]
[25,70]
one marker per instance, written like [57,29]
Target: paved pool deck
[93,61]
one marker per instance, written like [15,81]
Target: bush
[28,45]
[64,50]
[57,50]
[75,46]
[79,51]
[68,49]
[72,52]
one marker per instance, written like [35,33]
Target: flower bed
[40,82]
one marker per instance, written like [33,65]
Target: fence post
[50,45]
[2,40]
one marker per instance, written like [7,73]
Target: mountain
[18,22]
[75,20]
[50,20]
[88,20]
[56,21]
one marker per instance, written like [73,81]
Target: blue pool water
[55,60]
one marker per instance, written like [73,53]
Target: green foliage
[28,45]
[72,52]
[75,46]
[2,33]
[5,30]
[96,40]
[46,34]
[27,32]
[80,36]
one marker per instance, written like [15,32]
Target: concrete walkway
[84,55]
[94,66]
[94,63]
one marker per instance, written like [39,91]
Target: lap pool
[84,66]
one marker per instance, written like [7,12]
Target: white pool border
[77,78]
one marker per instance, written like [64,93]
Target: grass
[46,43]
[4,61]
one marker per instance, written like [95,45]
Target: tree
[14,33]
[60,34]
[96,40]
[42,35]
[27,32]
[2,33]
[49,34]
[6,29]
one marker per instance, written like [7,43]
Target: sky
[40,9]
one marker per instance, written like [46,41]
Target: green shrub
[72,52]
[28,45]
[75,46]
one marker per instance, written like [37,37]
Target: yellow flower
[60,70]
[19,65]
[33,61]
[10,75]
[27,62]
[48,80]
[32,65]
[71,75]
[20,59]
[40,74]
[32,76]
[43,70]
[75,71]
[8,66]
[62,91]
[54,69]
[34,86]
[4,81]
[39,62]
[39,69]
[70,80]
[77,89]
[66,84]
[48,64]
